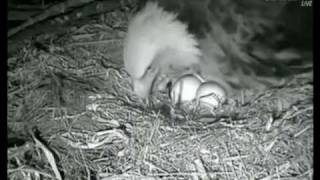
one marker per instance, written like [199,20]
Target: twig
[49,156]
[29,170]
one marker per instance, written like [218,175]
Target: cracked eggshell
[184,89]
[211,94]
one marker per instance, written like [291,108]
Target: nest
[72,115]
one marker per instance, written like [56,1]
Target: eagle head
[156,43]
[239,48]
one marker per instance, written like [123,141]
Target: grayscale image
[160,89]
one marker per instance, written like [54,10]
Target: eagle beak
[141,88]
[144,85]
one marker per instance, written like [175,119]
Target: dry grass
[89,125]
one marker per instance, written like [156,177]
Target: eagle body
[232,43]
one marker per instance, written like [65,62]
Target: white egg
[184,89]
[211,94]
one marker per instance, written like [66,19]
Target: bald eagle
[239,44]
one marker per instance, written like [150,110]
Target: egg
[211,94]
[184,89]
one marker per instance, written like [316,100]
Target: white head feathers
[152,33]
